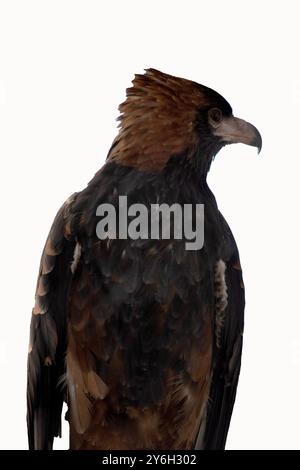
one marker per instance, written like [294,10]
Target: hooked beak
[233,130]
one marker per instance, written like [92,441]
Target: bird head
[165,117]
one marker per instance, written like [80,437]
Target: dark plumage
[142,338]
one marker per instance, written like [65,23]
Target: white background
[64,67]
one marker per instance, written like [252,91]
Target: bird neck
[190,170]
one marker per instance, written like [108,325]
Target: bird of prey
[141,337]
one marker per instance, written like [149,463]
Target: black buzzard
[142,337]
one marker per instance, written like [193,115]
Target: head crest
[158,119]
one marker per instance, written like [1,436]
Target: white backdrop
[64,67]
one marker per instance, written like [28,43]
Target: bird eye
[215,116]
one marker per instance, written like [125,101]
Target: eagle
[142,337]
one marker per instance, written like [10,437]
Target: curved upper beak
[234,130]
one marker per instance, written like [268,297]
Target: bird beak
[233,130]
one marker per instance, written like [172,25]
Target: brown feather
[158,120]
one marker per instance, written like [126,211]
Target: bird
[142,337]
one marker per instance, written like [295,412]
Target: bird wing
[227,363]
[47,345]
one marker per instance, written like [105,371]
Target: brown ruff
[158,120]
